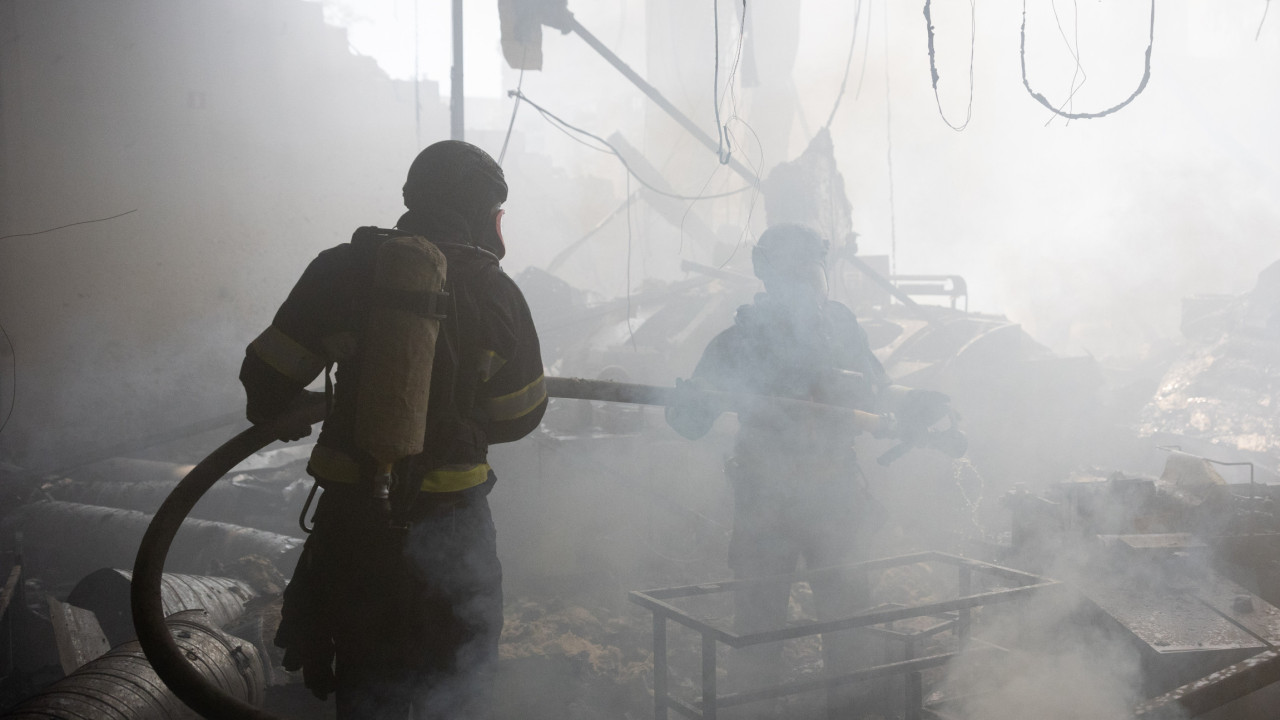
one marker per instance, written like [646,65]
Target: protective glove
[296,431]
[920,409]
[690,411]
[314,657]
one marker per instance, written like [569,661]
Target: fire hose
[201,695]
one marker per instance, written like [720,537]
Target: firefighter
[798,491]
[396,606]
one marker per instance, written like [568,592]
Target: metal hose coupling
[382,483]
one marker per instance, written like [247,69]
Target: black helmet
[782,249]
[456,176]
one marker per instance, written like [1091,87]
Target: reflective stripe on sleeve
[335,466]
[519,403]
[287,355]
[490,363]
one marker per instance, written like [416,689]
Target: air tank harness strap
[429,305]
[328,410]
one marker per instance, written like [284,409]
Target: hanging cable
[723,152]
[933,63]
[755,191]
[866,53]
[725,149]
[1146,73]
[559,122]
[60,227]
[1073,47]
[511,125]
[888,134]
[733,71]
[848,63]
[1263,21]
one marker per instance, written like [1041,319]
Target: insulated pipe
[105,593]
[121,685]
[70,540]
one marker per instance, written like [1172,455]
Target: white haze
[248,137]
[1088,233]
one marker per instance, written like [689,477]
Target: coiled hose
[166,658]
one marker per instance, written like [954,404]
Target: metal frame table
[954,612]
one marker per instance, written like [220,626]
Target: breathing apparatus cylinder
[397,352]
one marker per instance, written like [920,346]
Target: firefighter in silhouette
[396,603]
[798,491]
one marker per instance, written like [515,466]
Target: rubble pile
[1223,395]
[561,659]
[1226,392]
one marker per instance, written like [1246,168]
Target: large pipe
[106,593]
[74,539]
[256,503]
[122,685]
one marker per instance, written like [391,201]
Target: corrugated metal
[106,593]
[121,685]
[66,541]
[258,625]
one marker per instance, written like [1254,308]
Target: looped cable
[933,64]
[1146,73]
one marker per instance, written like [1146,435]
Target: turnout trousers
[415,615]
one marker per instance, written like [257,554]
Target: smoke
[1065,662]
[246,155]
[249,137]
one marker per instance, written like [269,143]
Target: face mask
[800,287]
[492,239]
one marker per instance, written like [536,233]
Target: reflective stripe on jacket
[487,384]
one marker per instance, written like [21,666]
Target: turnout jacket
[768,351]
[487,382]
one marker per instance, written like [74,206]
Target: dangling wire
[1263,21]
[1073,47]
[1146,73]
[60,227]
[562,125]
[725,150]
[866,53]
[888,135]
[511,125]
[933,64]
[755,190]
[848,63]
